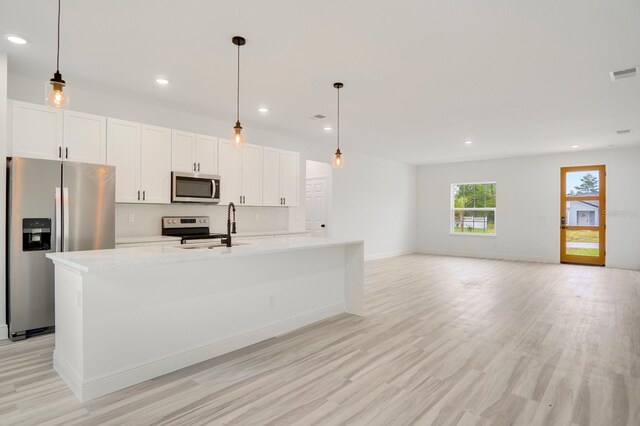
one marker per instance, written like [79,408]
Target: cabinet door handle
[194,167]
[138,195]
[144,195]
[59,152]
[285,201]
[198,166]
[66,152]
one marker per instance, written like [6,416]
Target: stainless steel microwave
[192,188]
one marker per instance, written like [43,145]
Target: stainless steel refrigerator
[52,206]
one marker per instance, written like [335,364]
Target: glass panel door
[582,215]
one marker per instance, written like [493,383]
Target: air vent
[623,132]
[318,117]
[620,74]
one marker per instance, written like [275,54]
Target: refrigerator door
[33,207]
[89,205]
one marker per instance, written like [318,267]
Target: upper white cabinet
[36,131]
[280,177]
[85,137]
[251,175]
[191,153]
[123,152]
[240,170]
[155,164]
[183,151]
[229,171]
[207,154]
[142,156]
[42,132]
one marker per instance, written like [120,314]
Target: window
[473,208]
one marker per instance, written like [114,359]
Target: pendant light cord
[338,118]
[238,91]
[58,54]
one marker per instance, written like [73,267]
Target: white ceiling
[517,77]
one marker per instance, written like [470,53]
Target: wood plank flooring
[444,341]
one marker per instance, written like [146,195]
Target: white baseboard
[499,256]
[4,332]
[92,388]
[388,254]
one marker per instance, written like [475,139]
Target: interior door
[582,215]
[316,206]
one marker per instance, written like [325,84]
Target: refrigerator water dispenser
[36,234]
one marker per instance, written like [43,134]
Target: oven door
[190,188]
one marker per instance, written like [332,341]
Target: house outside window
[473,208]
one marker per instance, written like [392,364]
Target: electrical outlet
[131,218]
[272,300]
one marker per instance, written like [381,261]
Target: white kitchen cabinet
[240,170]
[142,157]
[123,152]
[251,175]
[207,154]
[271,195]
[191,153]
[39,131]
[280,177]
[229,171]
[85,138]
[155,164]
[36,131]
[183,151]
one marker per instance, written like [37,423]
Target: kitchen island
[124,316]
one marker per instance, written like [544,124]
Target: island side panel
[354,279]
[68,356]
[144,322]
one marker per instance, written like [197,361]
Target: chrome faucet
[231,226]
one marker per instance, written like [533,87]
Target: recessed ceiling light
[468,142]
[14,38]
[162,81]
[575,146]
[263,109]
[328,129]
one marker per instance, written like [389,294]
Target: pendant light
[338,158]
[238,137]
[54,88]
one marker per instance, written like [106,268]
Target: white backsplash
[147,218]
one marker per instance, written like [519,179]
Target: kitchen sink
[209,246]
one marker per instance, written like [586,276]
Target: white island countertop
[103,260]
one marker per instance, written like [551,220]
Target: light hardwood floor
[444,341]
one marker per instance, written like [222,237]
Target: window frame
[453,209]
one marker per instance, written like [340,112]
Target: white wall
[3,188]
[374,199]
[528,192]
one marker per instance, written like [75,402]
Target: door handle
[59,152]
[198,166]
[144,195]
[285,201]
[138,195]
[194,167]
[322,226]
[66,152]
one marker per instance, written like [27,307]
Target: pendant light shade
[56,90]
[338,157]
[238,137]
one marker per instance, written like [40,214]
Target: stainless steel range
[191,229]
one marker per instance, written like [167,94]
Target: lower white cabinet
[280,177]
[240,170]
[142,157]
